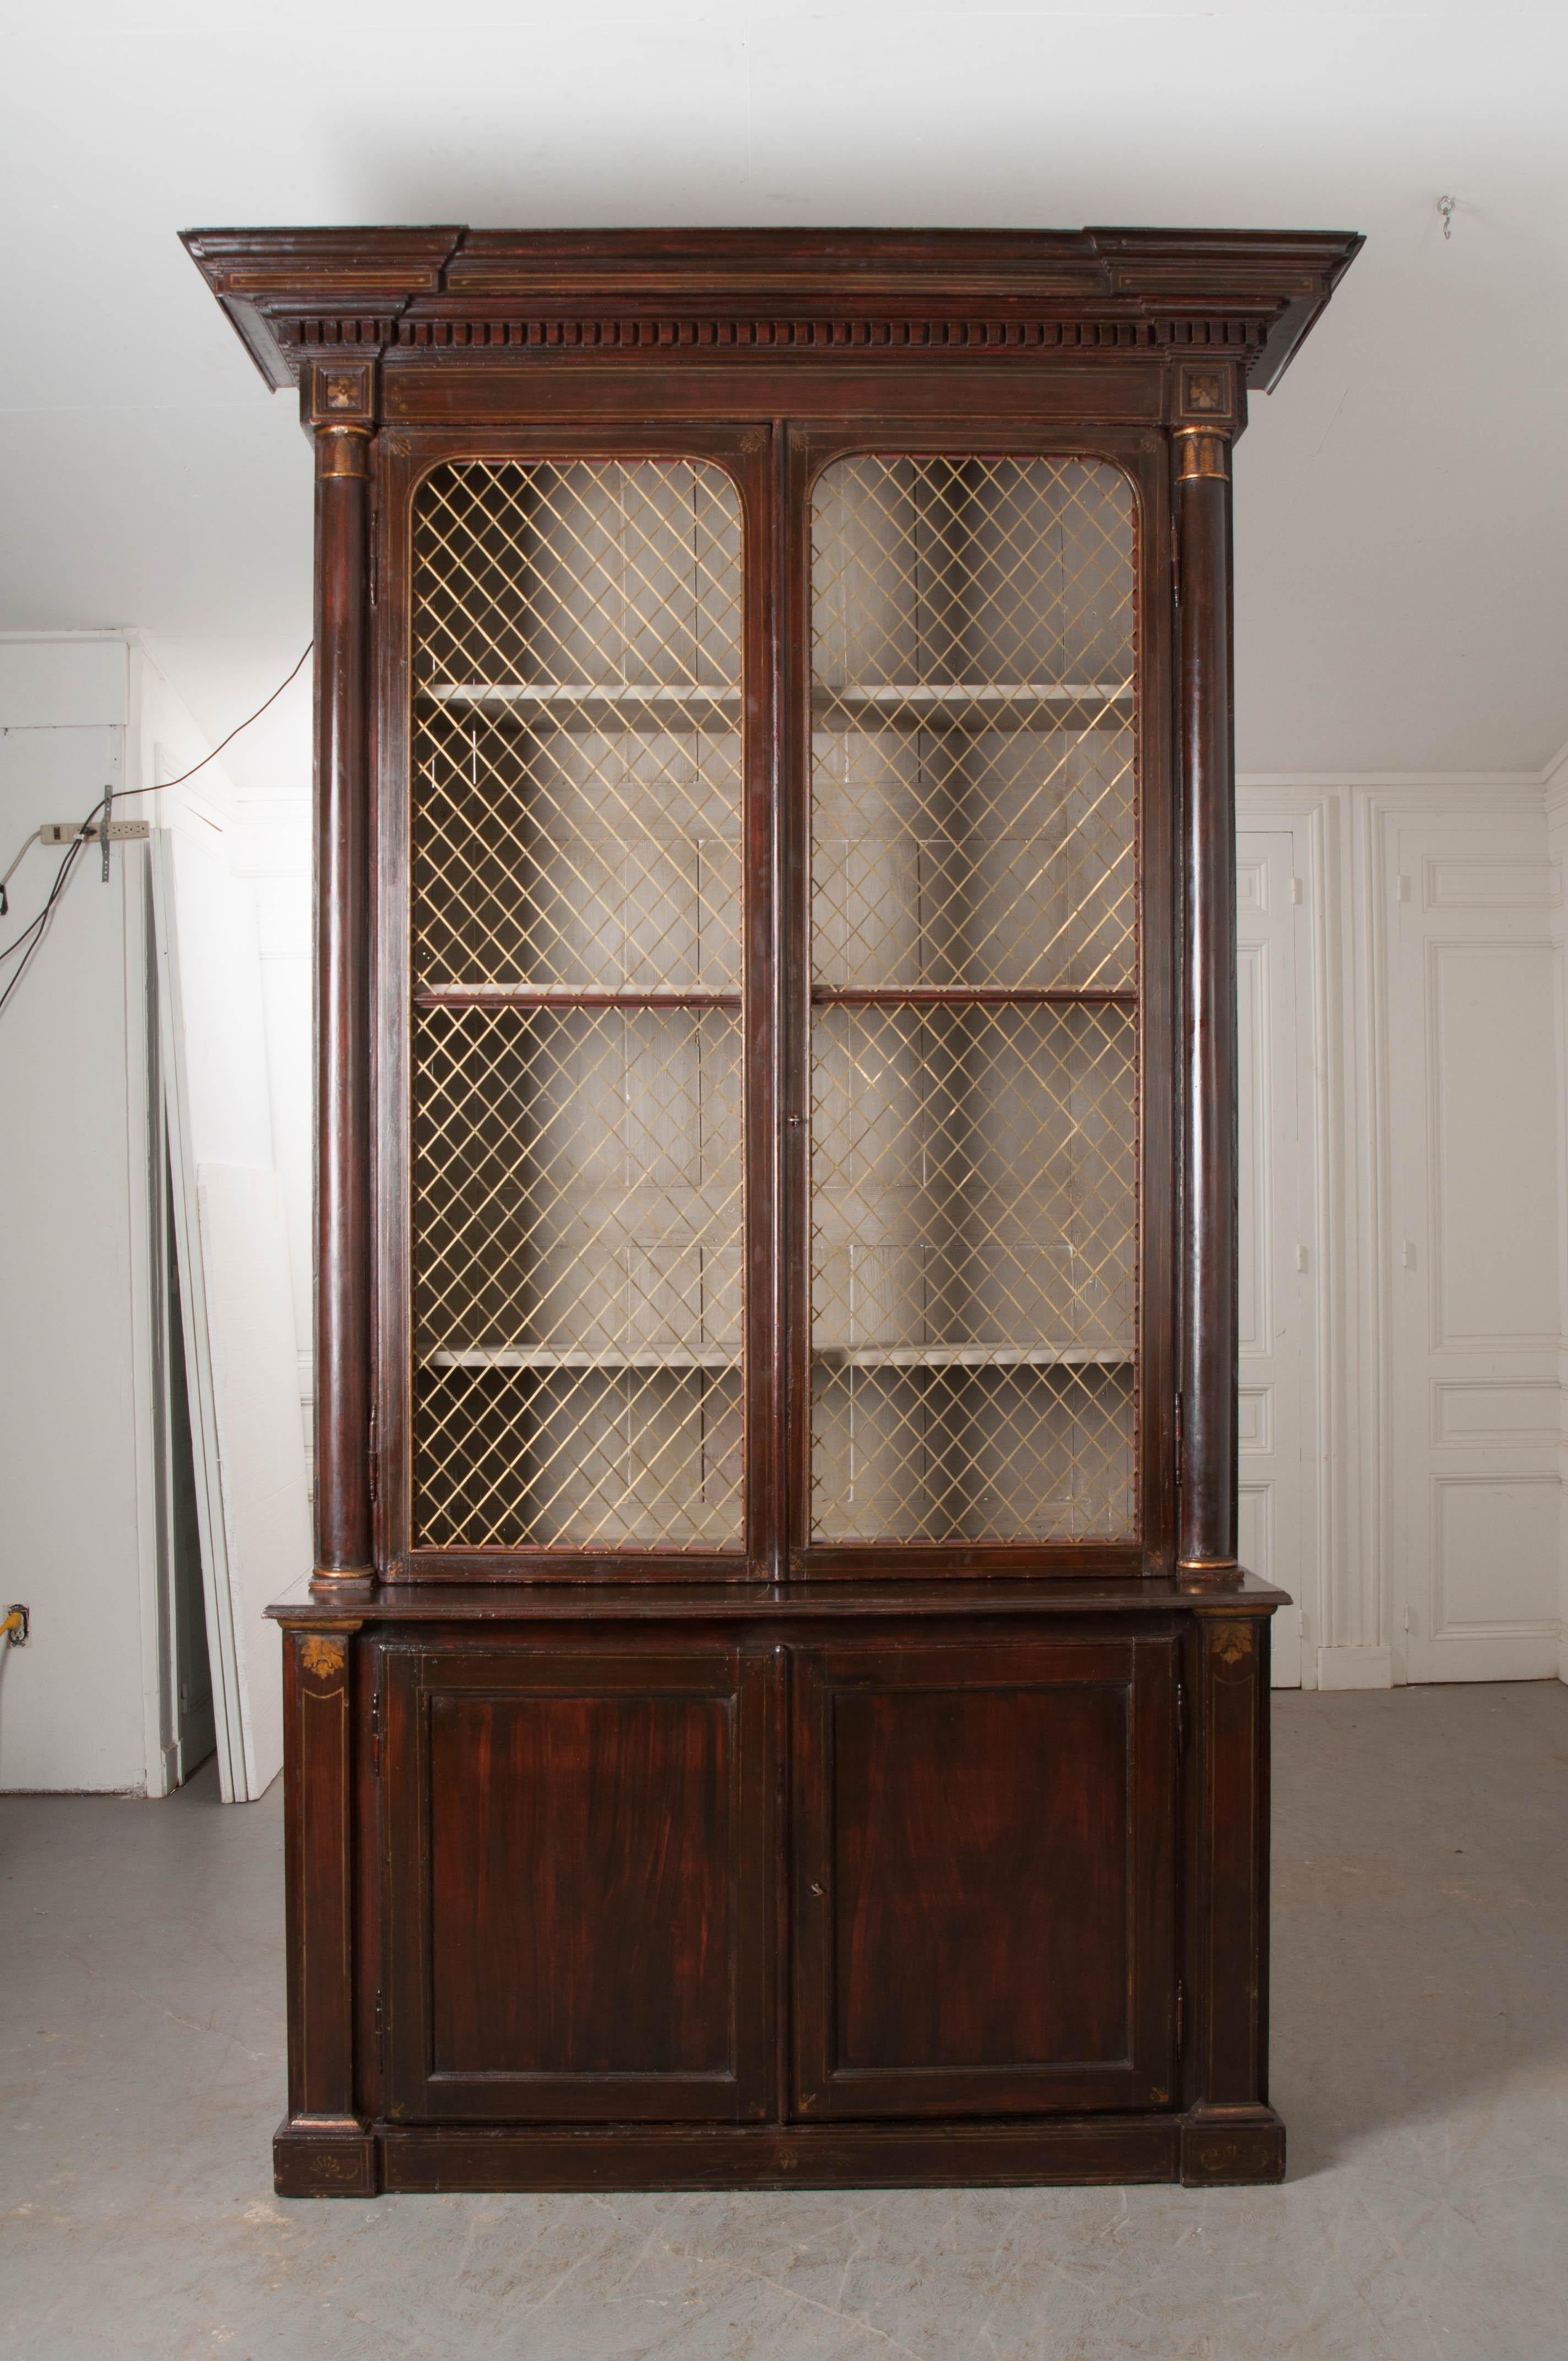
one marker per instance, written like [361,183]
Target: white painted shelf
[574,693]
[972,1356]
[977,694]
[541,1356]
[889,700]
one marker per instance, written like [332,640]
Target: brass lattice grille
[972,747]
[577,1158]
[974,1039]
[577,668]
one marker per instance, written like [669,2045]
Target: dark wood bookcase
[776,1702]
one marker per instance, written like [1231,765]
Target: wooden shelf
[541,1356]
[973,1356]
[570,995]
[592,704]
[1032,704]
[927,705]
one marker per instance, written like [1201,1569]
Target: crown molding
[295,295]
[1551,779]
[1555,779]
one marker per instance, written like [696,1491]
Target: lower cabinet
[606,1891]
[597,1861]
[580,1879]
[984,1872]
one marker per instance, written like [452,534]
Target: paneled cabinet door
[579,1868]
[984,1849]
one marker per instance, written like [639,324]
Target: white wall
[1380,623]
[79,1704]
[274,852]
[1424,1469]
[264,830]
[88,1702]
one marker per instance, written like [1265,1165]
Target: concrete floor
[1420,2062]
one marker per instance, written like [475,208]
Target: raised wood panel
[1255,1317]
[1255,1511]
[1494,1550]
[1493,1080]
[1252,887]
[1254,1420]
[945,1876]
[551,1832]
[1469,885]
[1498,1413]
[1471,1054]
[578,1864]
[983,1846]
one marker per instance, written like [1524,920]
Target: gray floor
[1420,2062]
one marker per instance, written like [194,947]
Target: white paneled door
[1471,1244]
[1280,1458]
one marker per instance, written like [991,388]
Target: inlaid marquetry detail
[322,1656]
[1206,394]
[1232,1642]
[340,394]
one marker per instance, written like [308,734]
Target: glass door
[577,1187]
[974,1003]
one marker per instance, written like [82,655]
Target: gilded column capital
[342,451]
[1202,451]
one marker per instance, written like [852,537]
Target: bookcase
[776,1701]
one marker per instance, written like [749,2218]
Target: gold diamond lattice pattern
[578,1276]
[973,1271]
[577,709]
[973,723]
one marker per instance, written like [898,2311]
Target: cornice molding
[424,327]
[295,294]
[1411,785]
[1555,779]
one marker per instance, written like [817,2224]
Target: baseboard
[1356,1668]
[1208,2149]
[329,2156]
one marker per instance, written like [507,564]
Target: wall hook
[1445,207]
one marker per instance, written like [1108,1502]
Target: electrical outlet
[18,1623]
[120,831]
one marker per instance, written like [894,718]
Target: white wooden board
[266,1518]
[235,1294]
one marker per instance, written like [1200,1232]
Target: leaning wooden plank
[235,1289]
[267,1531]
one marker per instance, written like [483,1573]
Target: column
[343,1541]
[1206,1546]
[322,2148]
